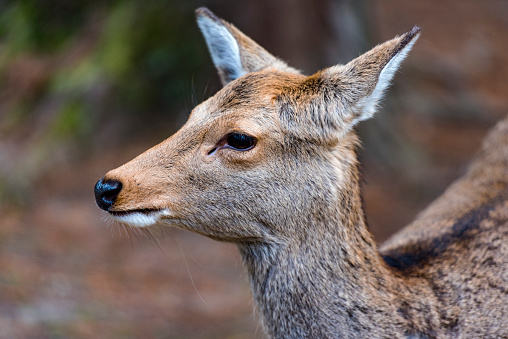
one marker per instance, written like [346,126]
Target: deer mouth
[140,217]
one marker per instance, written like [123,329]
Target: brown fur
[292,204]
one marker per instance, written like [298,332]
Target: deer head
[272,149]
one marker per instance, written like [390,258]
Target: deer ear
[326,105]
[363,81]
[233,53]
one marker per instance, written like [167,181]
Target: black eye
[241,142]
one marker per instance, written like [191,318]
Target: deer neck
[299,286]
[328,279]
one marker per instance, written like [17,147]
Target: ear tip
[202,11]
[408,39]
[205,12]
[413,32]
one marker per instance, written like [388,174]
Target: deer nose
[106,193]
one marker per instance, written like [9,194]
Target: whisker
[153,239]
[190,276]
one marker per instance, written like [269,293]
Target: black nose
[106,193]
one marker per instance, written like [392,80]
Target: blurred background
[87,85]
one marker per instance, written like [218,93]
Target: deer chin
[140,218]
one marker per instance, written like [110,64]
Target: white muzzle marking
[141,219]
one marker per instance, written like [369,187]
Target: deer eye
[241,142]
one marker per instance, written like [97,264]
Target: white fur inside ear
[369,104]
[223,48]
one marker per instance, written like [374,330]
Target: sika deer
[269,163]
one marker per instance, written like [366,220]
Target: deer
[270,164]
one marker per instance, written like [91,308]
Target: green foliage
[42,26]
[67,67]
